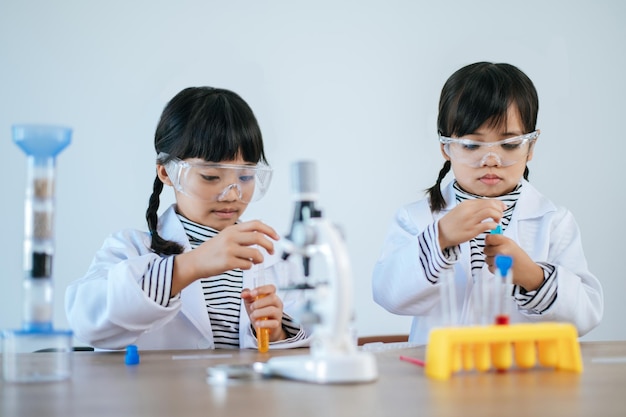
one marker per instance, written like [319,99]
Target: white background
[353,85]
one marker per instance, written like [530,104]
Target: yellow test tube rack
[481,348]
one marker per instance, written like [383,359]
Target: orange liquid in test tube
[262,333]
[263,338]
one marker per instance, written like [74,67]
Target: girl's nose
[491,159]
[230,193]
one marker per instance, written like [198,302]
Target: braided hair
[479,93]
[201,122]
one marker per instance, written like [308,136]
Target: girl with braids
[185,284]
[487,134]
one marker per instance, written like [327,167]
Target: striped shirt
[221,292]
[434,259]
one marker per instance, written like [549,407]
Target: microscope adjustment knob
[302,235]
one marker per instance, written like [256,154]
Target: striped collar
[510,199]
[196,232]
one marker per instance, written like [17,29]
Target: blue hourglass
[41,144]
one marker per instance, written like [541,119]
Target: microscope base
[354,367]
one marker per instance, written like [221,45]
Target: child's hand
[469,219]
[265,309]
[526,273]
[234,247]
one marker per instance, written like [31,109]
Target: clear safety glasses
[211,181]
[504,152]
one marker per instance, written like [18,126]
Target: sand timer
[42,144]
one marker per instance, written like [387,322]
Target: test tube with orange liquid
[262,333]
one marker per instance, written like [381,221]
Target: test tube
[262,333]
[476,297]
[41,144]
[447,291]
[481,297]
[495,288]
[502,353]
[503,282]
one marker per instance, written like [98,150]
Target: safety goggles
[211,181]
[504,152]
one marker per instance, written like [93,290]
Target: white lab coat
[546,232]
[108,309]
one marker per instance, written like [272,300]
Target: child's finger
[251,239]
[259,227]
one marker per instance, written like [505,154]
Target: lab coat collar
[192,298]
[171,228]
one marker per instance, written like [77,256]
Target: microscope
[334,357]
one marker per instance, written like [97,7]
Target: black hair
[479,93]
[202,122]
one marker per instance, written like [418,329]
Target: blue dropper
[504,263]
[41,144]
[497,230]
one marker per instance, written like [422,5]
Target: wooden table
[168,383]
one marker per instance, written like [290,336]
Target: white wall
[352,84]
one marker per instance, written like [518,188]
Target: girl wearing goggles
[187,284]
[487,133]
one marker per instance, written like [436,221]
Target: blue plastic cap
[132,355]
[497,230]
[42,140]
[503,263]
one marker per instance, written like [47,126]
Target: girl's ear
[443,152]
[162,173]
[532,148]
